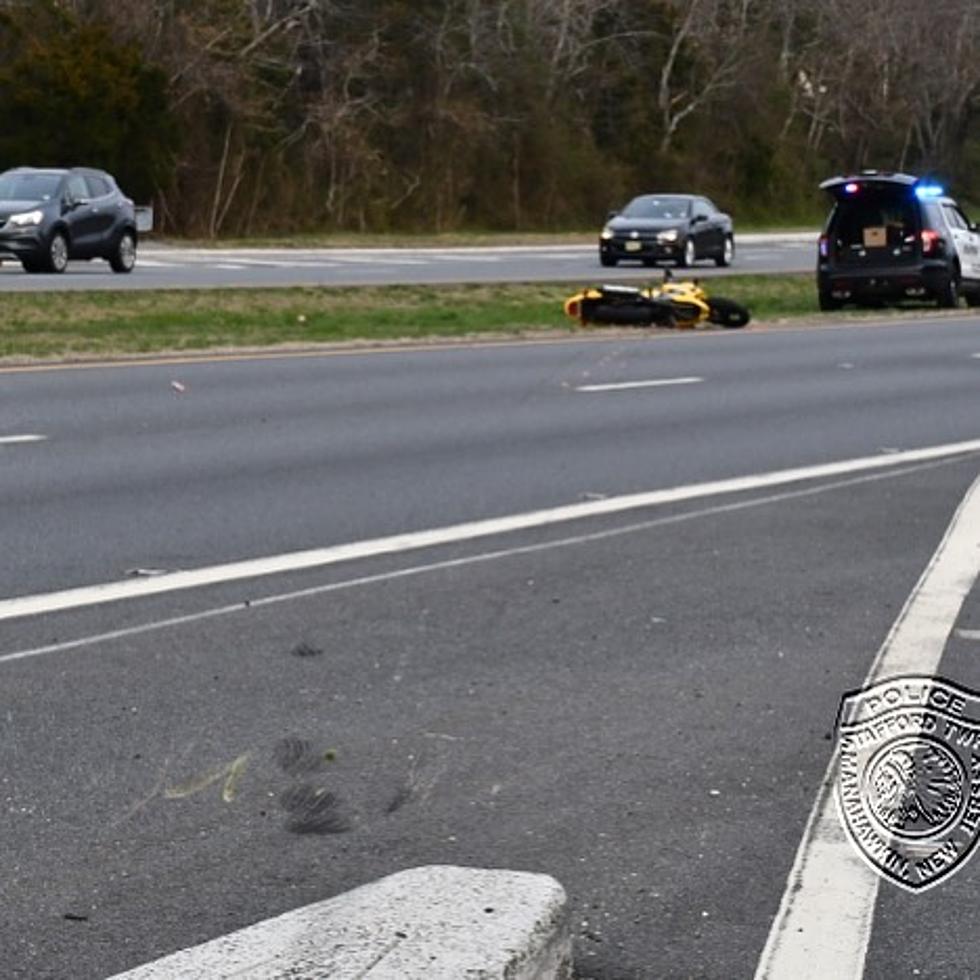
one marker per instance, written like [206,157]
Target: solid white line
[968,634]
[823,925]
[319,557]
[15,440]
[437,566]
[626,385]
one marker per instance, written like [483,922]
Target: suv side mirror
[611,215]
[698,218]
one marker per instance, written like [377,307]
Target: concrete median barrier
[437,923]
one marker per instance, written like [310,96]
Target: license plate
[633,246]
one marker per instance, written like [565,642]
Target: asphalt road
[161,267]
[637,703]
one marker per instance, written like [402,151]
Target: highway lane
[642,713]
[166,267]
[267,455]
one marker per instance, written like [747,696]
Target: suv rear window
[883,218]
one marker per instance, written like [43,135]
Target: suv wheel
[689,256]
[57,258]
[827,301]
[123,256]
[949,295]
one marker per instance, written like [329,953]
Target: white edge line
[626,385]
[823,925]
[14,440]
[484,557]
[319,557]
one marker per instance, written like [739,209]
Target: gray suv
[50,216]
[892,236]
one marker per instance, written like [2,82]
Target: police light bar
[924,191]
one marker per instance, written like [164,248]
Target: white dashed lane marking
[628,385]
[16,440]
[968,634]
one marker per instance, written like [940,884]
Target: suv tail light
[931,242]
[824,246]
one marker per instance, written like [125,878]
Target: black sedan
[50,216]
[680,228]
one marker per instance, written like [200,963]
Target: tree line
[241,117]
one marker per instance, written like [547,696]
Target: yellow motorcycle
[683,304]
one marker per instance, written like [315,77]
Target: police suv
[892,236]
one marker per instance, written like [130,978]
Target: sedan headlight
[607,233]
[26,219]
[670,235]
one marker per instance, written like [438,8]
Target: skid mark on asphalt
[308,806]
[316,558]
[249,605]
[231,775]
[308,793]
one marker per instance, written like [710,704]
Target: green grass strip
[85,324]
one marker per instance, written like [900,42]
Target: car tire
[56,259]
[827,302]
[727,253]
[689,255]
[607,260]
[972,297]
[123,256]
[949,294]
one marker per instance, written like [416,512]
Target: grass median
[59,325]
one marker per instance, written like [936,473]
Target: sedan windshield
[656,207]
[28,187]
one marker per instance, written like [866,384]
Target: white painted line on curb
[16,440]
[433,923]
[968,634]
[296,561]
[627,385]
[823,925]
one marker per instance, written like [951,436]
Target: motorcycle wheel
[727,313]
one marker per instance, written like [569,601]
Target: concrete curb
[437,923]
